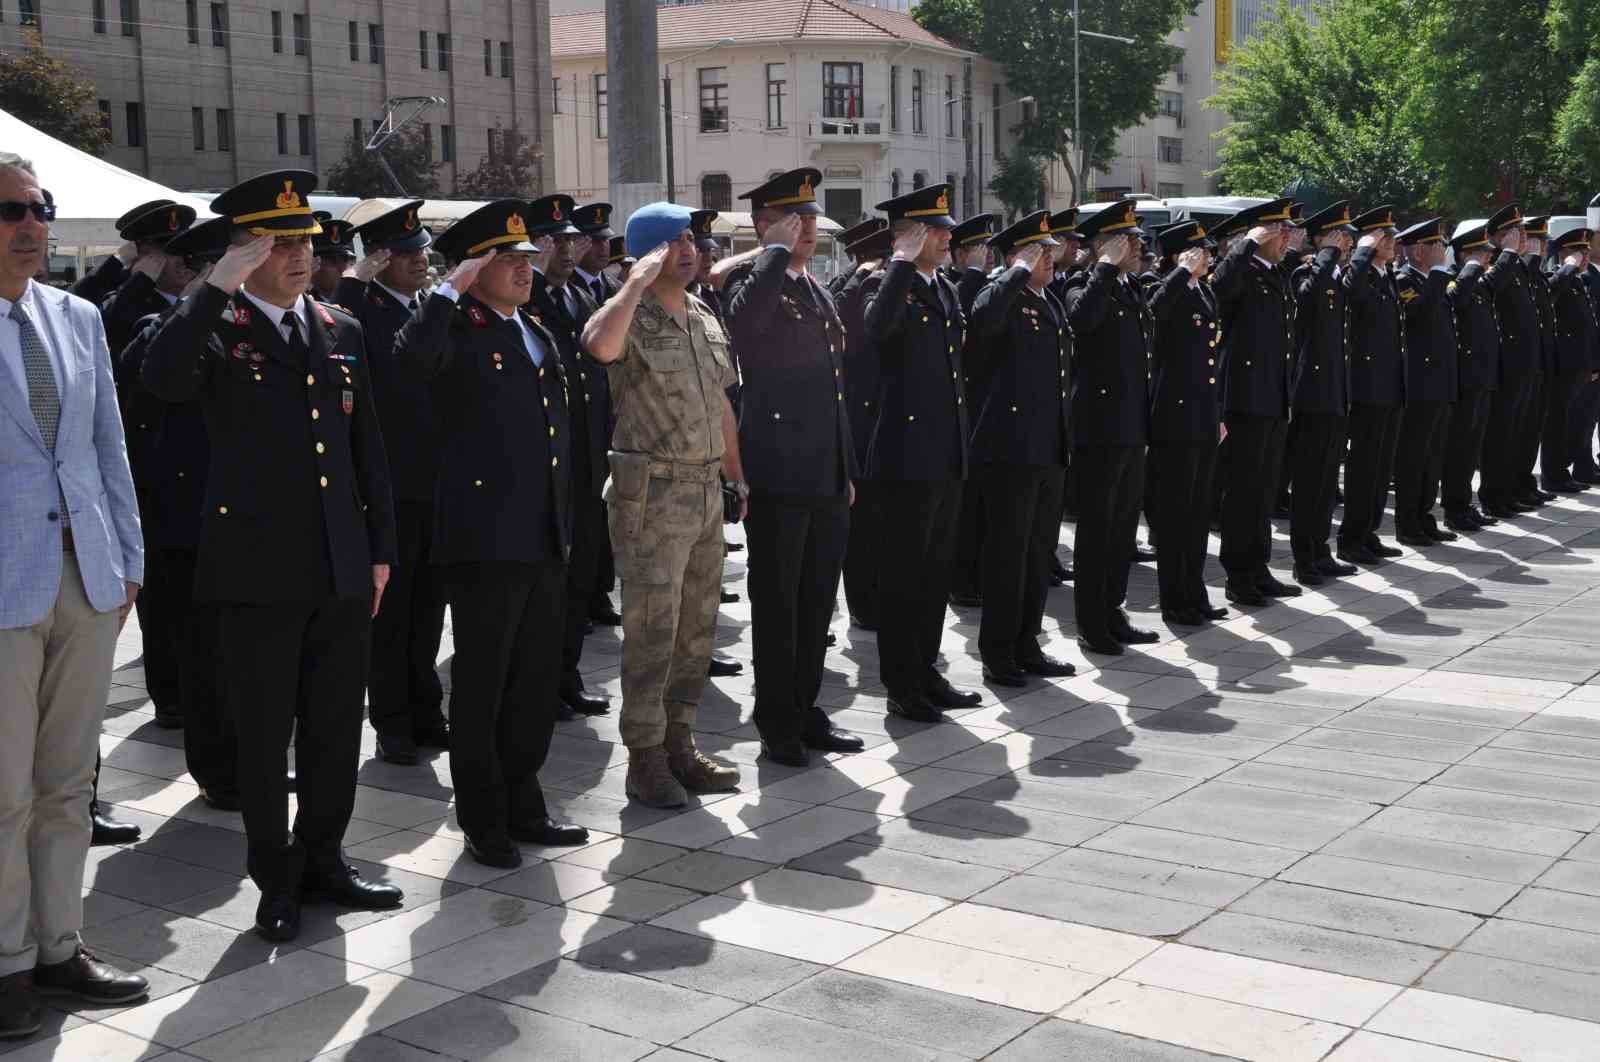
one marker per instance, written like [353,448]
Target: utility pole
[666,121]
[633,106]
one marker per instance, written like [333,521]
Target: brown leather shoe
[20,1013]
[86,977]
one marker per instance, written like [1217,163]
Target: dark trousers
[1502,442]
[162,606]
[917,536]
[583,567]
[966,575]
[502,688]
[1555,445]
[860,555]
[1530,429]
[1023,507]
[1418,461]
[1110,491]
[1319,442]
[1255,455]
[1581,416]
[797,547]
[210,745]
[1181,475]
[1463,449]
[301,669]
[1374,434]
[404,694]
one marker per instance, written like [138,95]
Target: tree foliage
[511,170]
[51,96]
[358,172]
[1032,40]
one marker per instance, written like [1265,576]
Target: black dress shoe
[915,707]
[169,718]
[563,711]
[1125,632]
[966,600]
[1375,544]
[1520,507]
[1483,519]
[1332,568]
[1460,522]
[345,886]
[1046,666]
[735,547]
[831,739]
[498,852]
[1494,512]
[1182,617]
[1588,479]
[109,831]
[729,597]
[1066,575]
[1565,486]
[574,696]
[1306,575]
[397,748]
[220,798]
[435,735]
[605,616]
[720,668]
[543,830]
[278,916]
[85,977]
[1211,612]
[943,695]
[1270,585]
[1143,554]
[1539,495]
[20,1012]
[1005,674]
[1102,644]
[830,640]
[1438,534]
[865,623]
[1241,593]
[788,753]
[1416,540]
[1358,555]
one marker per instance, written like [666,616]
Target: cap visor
[411,241]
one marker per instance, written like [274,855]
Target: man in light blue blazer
[71,561]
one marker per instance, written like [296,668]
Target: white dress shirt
[276,315]
[404,300]
[535,349]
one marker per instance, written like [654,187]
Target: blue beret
[653,225]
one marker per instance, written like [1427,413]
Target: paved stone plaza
[1356,826]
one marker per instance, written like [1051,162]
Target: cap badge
[288,199]
[599,216]
[1044,223]
[516,226]
[944,203]
[172,221]
[555,210]
[1199,231]
[805,187]
[411,220]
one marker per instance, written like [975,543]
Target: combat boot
[650,780]
[698,773]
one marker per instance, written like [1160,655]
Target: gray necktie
[43,398]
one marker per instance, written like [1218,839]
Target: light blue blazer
[89,467]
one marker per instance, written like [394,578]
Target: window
[224,129]
[443,40]
[283,133]
[191,16]
[374,44]
[130,18]
[949,105]
[555,95]
[841,90]
[99,14]
[488,58]
[1168,190]
[355,41]
[918,126]
[714,99]
[1169,149]
[1177,71]
[301,37]
[219,26]
[135,125]
[277,31]
[305,134]
[505,59]
[447,143]
[197,120]
[600,123]
[716,192]
[918,180]
[1171,104]
[894,100]
[105,116]
[422,47]
[777,89]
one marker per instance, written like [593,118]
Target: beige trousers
[54,679]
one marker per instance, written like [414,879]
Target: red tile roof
[699,25]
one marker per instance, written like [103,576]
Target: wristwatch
[740,487]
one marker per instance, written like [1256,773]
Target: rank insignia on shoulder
[475,315]
[322,311]
[1451,287]
[241,315]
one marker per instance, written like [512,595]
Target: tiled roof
[699,25]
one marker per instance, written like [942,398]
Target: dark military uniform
[1517,310]
[1472,295]
[502,529]
[298,510]
[1526,494]
[98,284]
[1568,434]
[1320,384]
[1431,384]
[594,221]
[861,395]
[966,575]
[126,309]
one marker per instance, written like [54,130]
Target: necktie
[297,342]
[599,290]
[43,398]
[411,306]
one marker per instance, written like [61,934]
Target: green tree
[1019,183]
[513,169]
[51,96]
[1032,40]
[359,173]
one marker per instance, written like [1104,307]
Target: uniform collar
[275,314]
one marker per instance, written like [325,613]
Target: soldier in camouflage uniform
[668,365]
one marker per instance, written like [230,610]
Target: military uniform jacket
[1111,333]
[1019,352]
[298,504]
[168,449]
[1185,396]
[1258,329]
[97,285]
[1430,344]
[668,388]
[1515,303]
[122,312]
[505,461]
[1377,338]
[1321,378]
[1577,328]
[968,282]
[861,369]
[587,394]
[920,433]
[1477,328]
[405,404]
[794,425]
[1544,305]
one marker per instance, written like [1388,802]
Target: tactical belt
[692,473]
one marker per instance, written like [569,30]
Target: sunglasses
[13,211]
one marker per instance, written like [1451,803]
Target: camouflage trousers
[667,538]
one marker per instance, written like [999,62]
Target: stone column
[633,98]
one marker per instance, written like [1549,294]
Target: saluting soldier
[917,455]
[795,442]
[1067,266]
[560,302]
[601,270]
[1525,494]
[1575,361]
[1472,296]
[848,239]
[969,256]
[594,221]
[297,538]
[98,284]
[674,440]
[1320,383]
[1258,343]
[1185,421]
[1377,387]
[861,372]
[502,523]
[333,252]
[1111,330]
[1019,351]
[155,279]
[1431,379]
[1517,313]
[404,696]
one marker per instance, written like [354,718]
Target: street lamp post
[965,98]
[666,109]
[1077,101]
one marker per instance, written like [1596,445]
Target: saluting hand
[369,267]
[1573,260]
[646,269]
[464,275]
[239,262]
[1194,260]
[785,232]
[1029,255]
[908,245]
[150,264]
